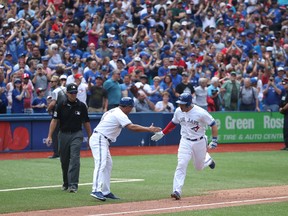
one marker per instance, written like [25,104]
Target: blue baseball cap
[99,77]
[75,66]
[166,47]
[21,55]
[253,80]
[99,9]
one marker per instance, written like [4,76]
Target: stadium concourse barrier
[27,132]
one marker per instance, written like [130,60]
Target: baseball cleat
[212,165]
[72,190]
[98,195]
[64,188]
[111,196]
[176,195]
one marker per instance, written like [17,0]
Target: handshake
[158,135]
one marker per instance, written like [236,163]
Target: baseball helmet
[185,98]
[126,101]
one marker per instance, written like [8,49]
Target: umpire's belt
[193,140]
[69,131]
[104,136]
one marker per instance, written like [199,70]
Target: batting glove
[157,136]
[213,144]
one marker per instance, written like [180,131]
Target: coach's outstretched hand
[157,136]
[154,129]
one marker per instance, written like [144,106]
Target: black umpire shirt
[71,115]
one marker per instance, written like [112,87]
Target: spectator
[92,72]
[209,39]
[63,80]
[39,103]
[98,101]
[201,94]
[112,86]
[143,104]
[143,85]
[46,69]
[82,88]
[18,94]
[176,78]
[3,98]
[248,97]
[55,58]
[272,96]
[280,75]
[71,78]
[29,97]
[127,86]
[164,105]
[156,90]
[213,92]
[9,89]
[40,79]
[103,51]
[230,90]
[137,66]
[168,86]
[163,70]
[185,86]
[121,64]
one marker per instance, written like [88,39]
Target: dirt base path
[135,150]
[215,199]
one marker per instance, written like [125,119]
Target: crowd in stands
[230,55]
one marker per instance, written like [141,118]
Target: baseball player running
[193,142]
[103,135]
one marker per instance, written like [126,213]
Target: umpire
[284,110]
[70,114]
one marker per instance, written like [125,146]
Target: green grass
[233,170]
[251,210]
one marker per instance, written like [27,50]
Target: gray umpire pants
[69,149]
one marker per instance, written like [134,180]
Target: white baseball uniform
[193,142]
[107,131]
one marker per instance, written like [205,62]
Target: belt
[193,140]
[70,131]
[110,141]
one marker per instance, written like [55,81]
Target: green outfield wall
[247,127]
[28,132]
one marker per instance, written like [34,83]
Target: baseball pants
[187,151]
[70,146]
[103,163]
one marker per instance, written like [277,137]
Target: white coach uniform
[107,131]
[193,142]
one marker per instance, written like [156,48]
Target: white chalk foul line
[113,180]
[193,206]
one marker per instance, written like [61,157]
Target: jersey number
[196,128]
